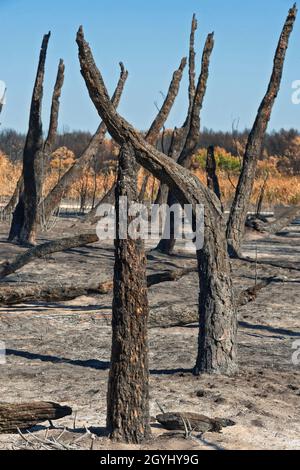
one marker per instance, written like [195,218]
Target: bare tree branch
[240,206]
[217,310]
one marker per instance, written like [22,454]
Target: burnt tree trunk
[52,200]
[12,203]
[217,308]
[168,241]
[240,206]
[32,155]
[22,416]
[128,389]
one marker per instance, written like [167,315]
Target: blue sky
[150,37]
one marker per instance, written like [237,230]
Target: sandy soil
[60,352]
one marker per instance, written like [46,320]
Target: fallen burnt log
[18,293]
[45,249]
[22,416]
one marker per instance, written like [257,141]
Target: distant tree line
[283,143]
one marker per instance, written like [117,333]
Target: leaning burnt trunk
[128,390]
[211,172]
[240,206]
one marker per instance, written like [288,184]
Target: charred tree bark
[217,348]
[12,295]
[55,105]
[24,220]
[53,199]
[167,244]
[217,352]
[151,137]
[22,416]
[240,206]
[128,416]
[211,172]
[12,204]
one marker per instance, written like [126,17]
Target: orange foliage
[281,188]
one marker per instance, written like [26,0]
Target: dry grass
[280,189]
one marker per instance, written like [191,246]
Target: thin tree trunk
[21,416]
[128,416]
[280,223]
[12,204]
[216,306]
[240,206]
[53,199]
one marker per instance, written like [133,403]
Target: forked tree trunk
[240,206]
[217,308]
[128,389]
[211,172]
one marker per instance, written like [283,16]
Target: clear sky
[150,37]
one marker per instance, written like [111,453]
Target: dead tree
[240,206]
[211,172]
[284,220]
[52,200]
[128,416]
[217,310]
[191,133]
[36,155]
[24,227]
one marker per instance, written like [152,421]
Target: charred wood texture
[22,416]
[240,206]
[128,416]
